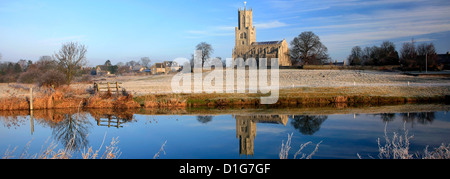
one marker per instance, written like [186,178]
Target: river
[343,133]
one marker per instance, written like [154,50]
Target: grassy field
[296,87]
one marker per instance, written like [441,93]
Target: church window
[243,35]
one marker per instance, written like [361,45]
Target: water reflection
[204,119]
[72,131]
[420,117]
[411,118]
[246,129]
[307,124]
[112,118]
[386,117]
[70,128]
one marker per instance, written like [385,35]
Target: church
[247,47]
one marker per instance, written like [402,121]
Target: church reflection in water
[246,129]
[72,127]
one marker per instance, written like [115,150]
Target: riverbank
[58,100]
[312,96]
[306,96]
[340,88]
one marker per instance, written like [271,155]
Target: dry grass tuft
[285,147]
[111,151]
[156,156]
[442,152]
[397,147]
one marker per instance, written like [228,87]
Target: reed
[286,147]
[397,147]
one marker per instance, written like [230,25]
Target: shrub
[52,78]
[84,79]
[30,76]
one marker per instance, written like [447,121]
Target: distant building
[336,63]
[165,67]
[158,68]
[247,47]
[137,68]
[444,59]
[103,70]
[171,66]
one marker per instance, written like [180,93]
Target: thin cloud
[219,31]
[299,4]
[419,40]
[352,22]
[360,3]
[211,32]
[392,24]
[225,28]
[270,25]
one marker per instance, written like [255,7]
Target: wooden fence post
[96,90]
[117,88]
[31,99]
[31,111]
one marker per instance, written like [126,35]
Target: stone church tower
[245,32]
[247,47]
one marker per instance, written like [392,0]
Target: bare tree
[382,55]
[366,55]
[46,63]
[308,48]
[71,57]
[417,57]
[356,55]
[120,64]
[132,63]
[0,56]
[23,64]
[206,49]
[426,54]
[408,51]
[388,55]
[145,61]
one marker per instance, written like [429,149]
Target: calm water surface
[232,135]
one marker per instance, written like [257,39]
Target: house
[137,68]
[158,68]
[336,63]
[171,66]
[444,59]
[102,70]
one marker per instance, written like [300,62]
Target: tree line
[56,70]
[307,49]
[411,56]
[385,54]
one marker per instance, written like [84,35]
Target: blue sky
[124,30]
